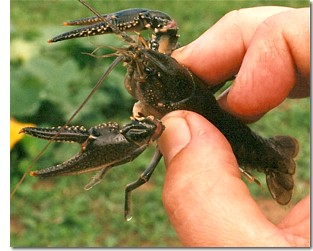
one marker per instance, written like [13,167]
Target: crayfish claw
[164,29]
[103,146]
[77,134]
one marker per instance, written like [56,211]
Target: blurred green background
[49,81]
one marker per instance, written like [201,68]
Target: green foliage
[49,81]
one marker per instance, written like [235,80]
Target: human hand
[207,203]
[267,48]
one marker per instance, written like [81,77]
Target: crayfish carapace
[161,85]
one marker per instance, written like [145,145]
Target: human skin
[208,204]
[267,47]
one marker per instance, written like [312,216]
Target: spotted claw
[102,146]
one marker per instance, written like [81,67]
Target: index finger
[217,54]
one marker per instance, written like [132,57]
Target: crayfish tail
[280,180]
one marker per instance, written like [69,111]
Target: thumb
[188,129]
[203,191]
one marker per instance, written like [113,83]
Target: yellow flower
[15,128]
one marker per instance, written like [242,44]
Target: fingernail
[180,54]
[222,100]
[178,51]
[174,138]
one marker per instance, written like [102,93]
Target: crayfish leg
[250,177]
[97,178]
[144,178]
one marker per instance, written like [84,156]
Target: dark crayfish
[161,85]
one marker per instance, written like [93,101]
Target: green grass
[49,81]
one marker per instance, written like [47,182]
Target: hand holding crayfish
[161,85]
[205,199]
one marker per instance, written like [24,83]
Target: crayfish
[161,85]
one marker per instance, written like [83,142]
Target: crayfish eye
[149,70]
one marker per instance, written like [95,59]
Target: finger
[276,60]
[203,194]
[216,55]
[296,224]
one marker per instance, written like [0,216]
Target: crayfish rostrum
[161,85]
